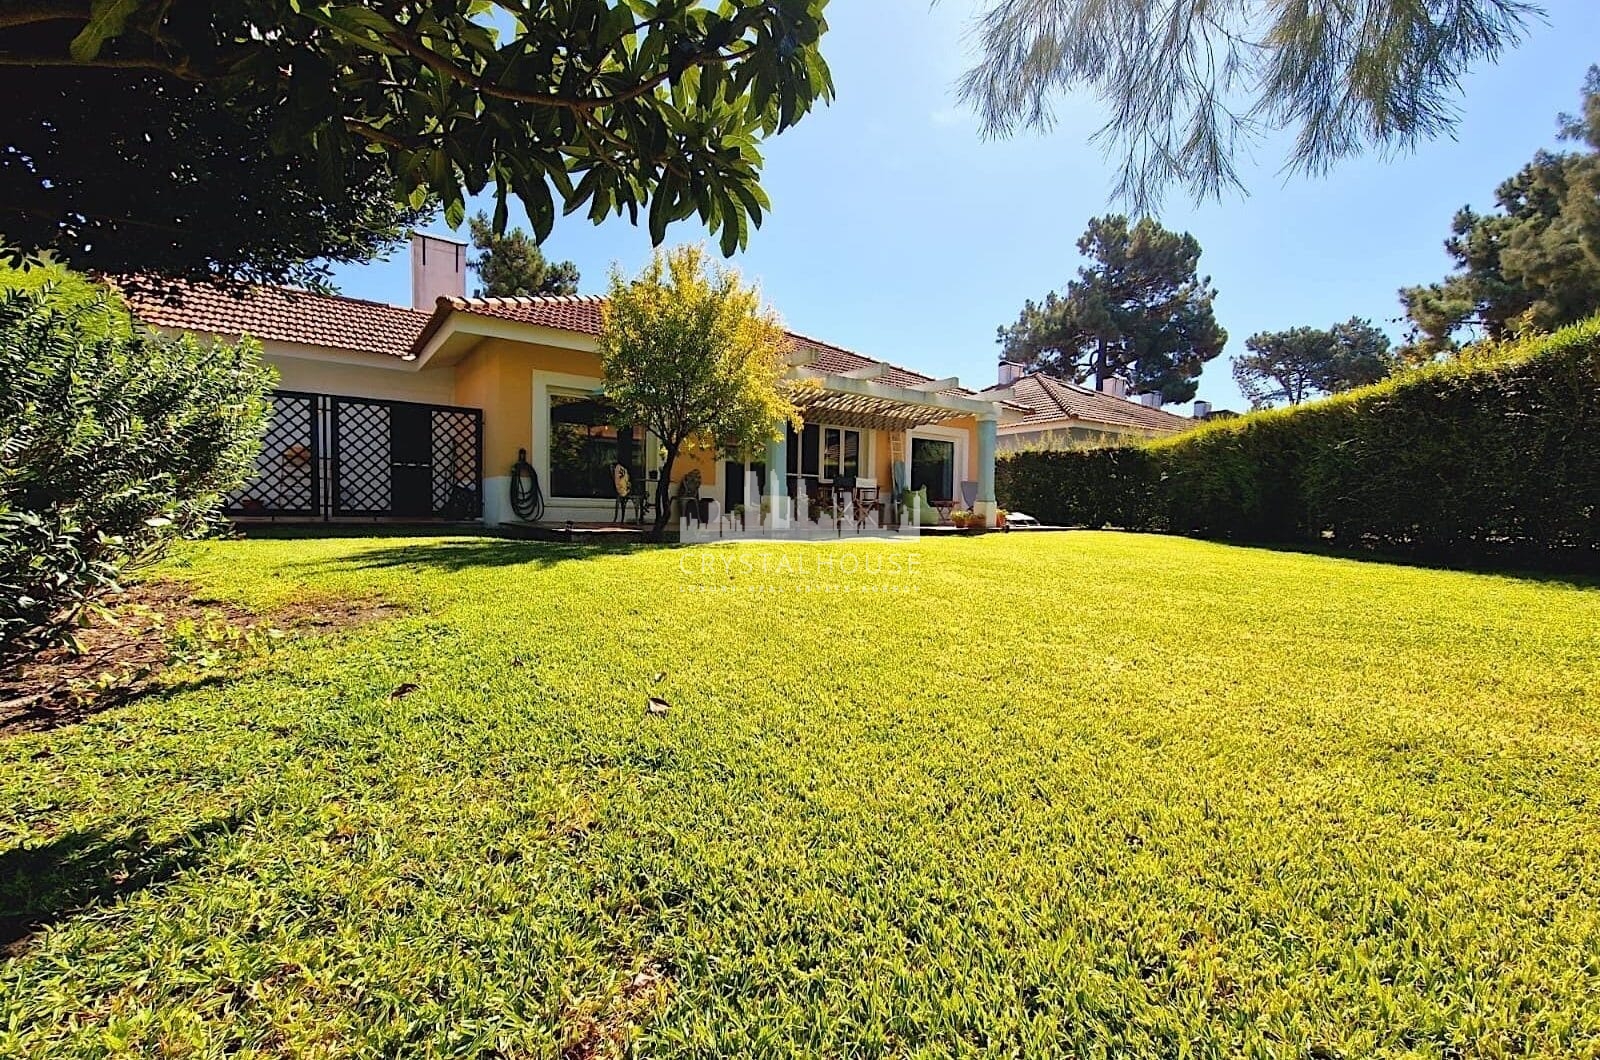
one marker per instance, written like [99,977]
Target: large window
[841,453]
[933,464]
[584,445]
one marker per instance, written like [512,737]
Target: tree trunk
[664,490]
[1100,373]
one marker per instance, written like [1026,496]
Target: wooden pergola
[861,399]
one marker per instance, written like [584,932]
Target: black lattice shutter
[287,468]
[361,458]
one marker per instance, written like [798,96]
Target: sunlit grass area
[1082,794]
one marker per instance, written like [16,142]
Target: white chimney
[1151,401]
[438,270]
[1202,409]
[1116,386]
[1010,372]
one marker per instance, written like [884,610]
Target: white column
[778,478]
[987,435]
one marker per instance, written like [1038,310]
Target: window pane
[852,454]
[584,445]
[830,452]
[809,444]
[933,464]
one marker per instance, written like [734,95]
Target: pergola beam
[872,371]
[934,386]
[922,399]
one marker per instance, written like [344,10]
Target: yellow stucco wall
[385,378]
[498,377]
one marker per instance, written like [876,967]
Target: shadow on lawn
[317,531]
[465,554]
[80,871]
[1583,573]
[46,713]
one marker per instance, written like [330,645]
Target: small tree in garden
[690,353]
[112,443]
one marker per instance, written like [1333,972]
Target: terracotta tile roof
[581,313]
[836,360]
[1051,399]
[374,327]
[570,312]
[285,315]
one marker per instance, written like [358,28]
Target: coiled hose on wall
[526,499]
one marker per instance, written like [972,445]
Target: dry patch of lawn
[154,636]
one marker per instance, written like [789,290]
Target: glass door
[933,464]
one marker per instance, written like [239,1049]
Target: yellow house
[385,411]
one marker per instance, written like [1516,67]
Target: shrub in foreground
[112,443]
[1496,456]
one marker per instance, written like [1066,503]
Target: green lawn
[1083,794]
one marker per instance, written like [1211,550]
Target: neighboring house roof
[284,315]
[1052,400]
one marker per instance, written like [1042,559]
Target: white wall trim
[578,509]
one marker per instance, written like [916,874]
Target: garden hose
[526,499]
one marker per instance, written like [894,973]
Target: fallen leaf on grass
[657,705]
[402,691]
[661,675]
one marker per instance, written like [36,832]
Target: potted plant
[959,518]
[1000,518]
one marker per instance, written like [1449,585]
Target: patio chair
[643,500]
[824,501]
[969,495]
[624,486]
[867,506]
[845,500]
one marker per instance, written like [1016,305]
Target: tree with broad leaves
[596,106]
[134,175]
[1189,84]
[1534,263]
[692,355]
[1300,363]
[511,265]
[1138,309]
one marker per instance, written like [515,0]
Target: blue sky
[897,231]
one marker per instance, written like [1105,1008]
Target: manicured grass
[1087,794]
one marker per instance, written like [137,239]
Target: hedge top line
[1482,359]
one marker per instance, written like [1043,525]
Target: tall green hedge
[1494,457]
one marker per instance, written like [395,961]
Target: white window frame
[943,434]
[863,450]
[559,384]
